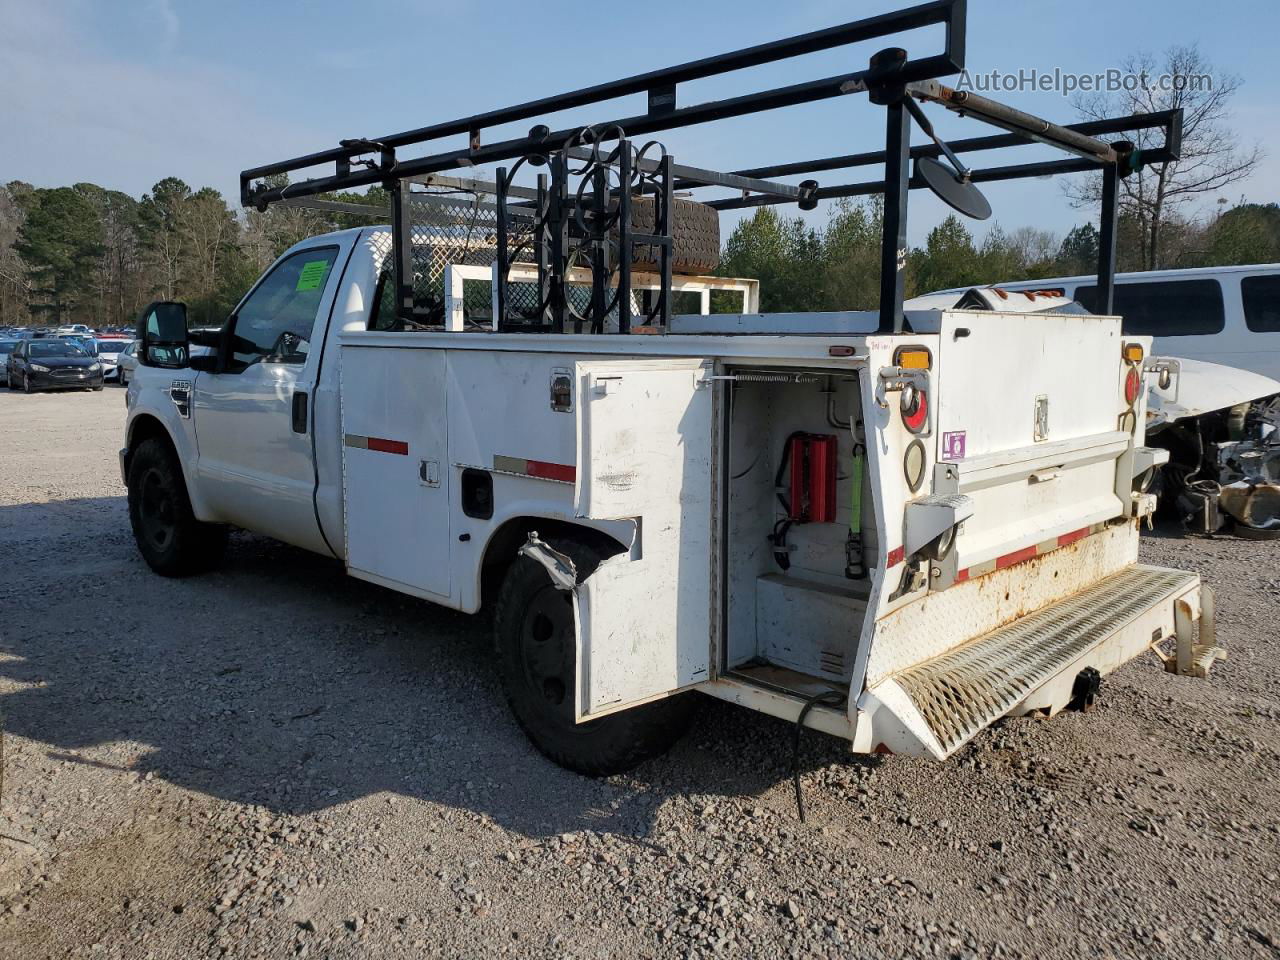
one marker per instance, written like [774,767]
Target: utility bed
[676,447]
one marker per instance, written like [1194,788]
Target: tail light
[915,408]
[1132,383]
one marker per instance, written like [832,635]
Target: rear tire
[169,537]
[534,625]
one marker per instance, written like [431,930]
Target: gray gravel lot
[275,760]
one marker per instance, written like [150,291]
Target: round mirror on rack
[956,192]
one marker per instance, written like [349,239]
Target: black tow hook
[1084,692]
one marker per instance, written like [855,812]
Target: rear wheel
[172,541]
[536,649]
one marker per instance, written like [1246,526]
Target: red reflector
[1018,556]
[552,471]
[1069,538]
[1131,383]
[839,351]
[896,556]
[389,446]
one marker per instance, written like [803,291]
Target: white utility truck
[895,527]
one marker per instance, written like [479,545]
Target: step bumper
[935,707]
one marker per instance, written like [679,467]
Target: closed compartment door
[395,484]
[1030,427]
[645,439]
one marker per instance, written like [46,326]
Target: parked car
[127,362]
[6,348]
[52,365]
[108,351]
[74,329]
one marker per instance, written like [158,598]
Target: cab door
[644,618]
[255,462]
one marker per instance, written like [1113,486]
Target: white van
[1226,315]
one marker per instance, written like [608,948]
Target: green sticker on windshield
[312,275]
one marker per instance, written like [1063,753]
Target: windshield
[57,348]
[112,346]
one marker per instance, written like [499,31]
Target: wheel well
[145,427]
[500,551]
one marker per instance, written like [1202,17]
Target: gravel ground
[275,760]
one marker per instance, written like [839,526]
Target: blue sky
[125,92]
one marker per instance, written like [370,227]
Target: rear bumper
[1031,665]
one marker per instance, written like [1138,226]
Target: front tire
[534,624]
[172,541]
[26,384]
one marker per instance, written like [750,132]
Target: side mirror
[162,328]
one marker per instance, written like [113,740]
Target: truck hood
[1204,387]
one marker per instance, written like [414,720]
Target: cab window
[275,323]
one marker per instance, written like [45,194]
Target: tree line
[87,254]
[837,266]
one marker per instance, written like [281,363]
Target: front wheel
[172,541]
[26,384]
[534,623]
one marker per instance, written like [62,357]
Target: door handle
[299,411]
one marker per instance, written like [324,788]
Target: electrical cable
[750,467]
[832,698]
[779,536]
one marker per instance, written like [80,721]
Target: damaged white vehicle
[1221,427]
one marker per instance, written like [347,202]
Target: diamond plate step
[965,689]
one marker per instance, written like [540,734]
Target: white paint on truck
[988,462]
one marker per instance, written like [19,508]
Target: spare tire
[695,231]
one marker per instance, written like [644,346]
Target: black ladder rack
[561,226]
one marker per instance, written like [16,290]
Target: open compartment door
[645,453]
